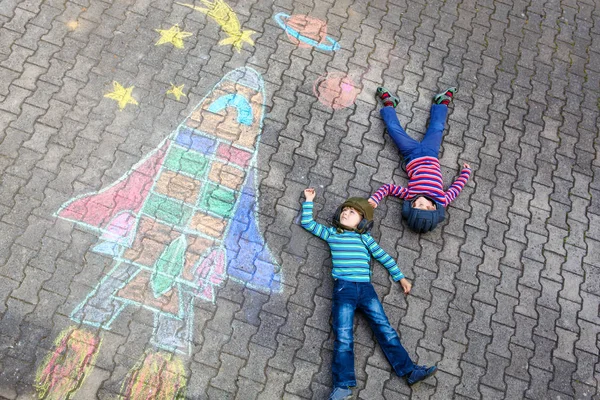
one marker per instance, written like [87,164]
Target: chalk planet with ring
[306,31]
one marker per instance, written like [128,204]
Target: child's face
[422,203]
[350,217]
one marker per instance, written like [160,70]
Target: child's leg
[439,110]
[343,308]
[386,335]
[405,143]
[435,131]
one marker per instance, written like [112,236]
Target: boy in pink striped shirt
[424,198]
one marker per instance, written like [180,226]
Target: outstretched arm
[388,262]
[458,184]
[384,258]
[387,190]
[307,220]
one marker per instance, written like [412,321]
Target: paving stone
[228,372]
[422,283]
[214,393]
[473,241]
[257,362]
[490,393]
[485,292]
[253,301]
[275,386]
[452,354]
[458,326]
[304,298]
[439,305]
[287,346]
[14,101]
[468,268]
[28,290]
[543,350]
[213,341]
[549,294]
[445,384]
[504,310]
[433,334]
[463,297]
[547,323]
[585,340]
[303,373]
[471,374]
[568,317]
[296,320]
[312,345]
[238,344]
[538,388]
[495,372]
[248,389]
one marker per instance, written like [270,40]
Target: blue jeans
[409,147]
[347,298]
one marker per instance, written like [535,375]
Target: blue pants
[347,298]
[409,147]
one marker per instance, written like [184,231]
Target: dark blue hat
[422,221]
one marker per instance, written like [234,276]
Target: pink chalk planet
[336,90]
[306,31]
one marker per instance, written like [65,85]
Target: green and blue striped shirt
[349,250]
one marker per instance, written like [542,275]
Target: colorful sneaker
[445,97]
[340,393]
[419,373]
[387,97]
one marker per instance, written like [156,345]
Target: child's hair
[422,221]
[363,207]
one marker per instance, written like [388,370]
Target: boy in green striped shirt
[351,250]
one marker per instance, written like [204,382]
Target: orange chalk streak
[160,376]
[64,370]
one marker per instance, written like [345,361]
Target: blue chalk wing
[249,258]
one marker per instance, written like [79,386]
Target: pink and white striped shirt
[424,179]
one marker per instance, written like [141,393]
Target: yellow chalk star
[224,15]
[173,35]
[237,39]
[176,91]
[121,95]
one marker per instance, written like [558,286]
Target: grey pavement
[506,293]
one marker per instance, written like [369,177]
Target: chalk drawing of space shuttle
[184,218]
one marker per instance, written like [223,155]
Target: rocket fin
[250,259]
[96,210]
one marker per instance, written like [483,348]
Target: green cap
[361,205]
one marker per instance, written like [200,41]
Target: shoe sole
[350,396]
[347,397]
[452,90]
[395,100]
[428,376]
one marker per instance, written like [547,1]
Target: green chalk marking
[168,210]
[186,161]
[218,200]
[168,266]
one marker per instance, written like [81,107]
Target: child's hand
[465,165]
[309,194]
[405,285]
[372,203]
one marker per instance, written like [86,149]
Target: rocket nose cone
[247,77]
